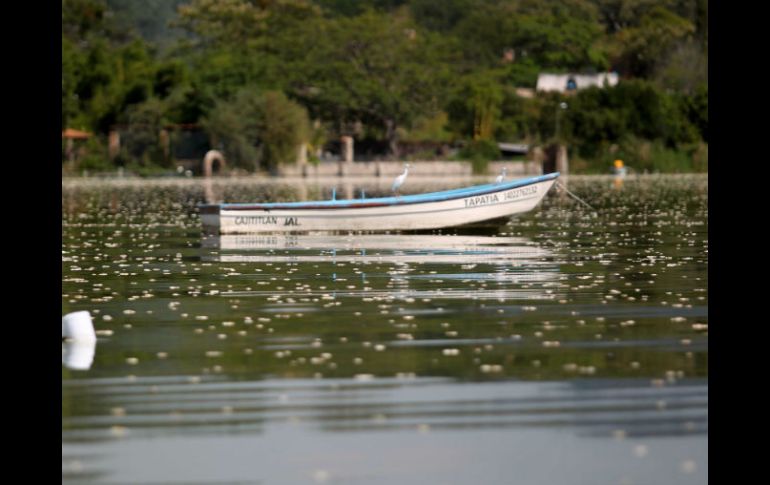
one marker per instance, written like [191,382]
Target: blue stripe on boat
[385,201]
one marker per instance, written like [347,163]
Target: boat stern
[210,218]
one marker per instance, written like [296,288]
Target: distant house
[525,92]
[566,83]
[70,135]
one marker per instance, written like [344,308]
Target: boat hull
[379,215]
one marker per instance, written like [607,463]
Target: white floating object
[78,355]
[78,326]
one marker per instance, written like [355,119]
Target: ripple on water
[583,334]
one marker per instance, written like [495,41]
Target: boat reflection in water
[452,260]
[77,354]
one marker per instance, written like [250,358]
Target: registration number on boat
[495,198]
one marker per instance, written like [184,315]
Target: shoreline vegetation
[421,181]
[151,86]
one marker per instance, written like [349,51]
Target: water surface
[569,346]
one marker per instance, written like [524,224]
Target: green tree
[149,19]
[384,68]
[351,8]
[555,34]
[474,109]
[372,68]
[236,42]
[140,140]
[72,67]
[258,130]
[87,19]
[618,15]
[696,108]
[640,48]
[105,70]
[599,117]
[284,125]
[514,120]
[238,23]
[440,16]
[683,68]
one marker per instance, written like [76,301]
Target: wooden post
[549,159]
[113,145]
[556,160]
[348,190]
[165,144]
[302,159]
[562,162]
[70,149]
[347,148]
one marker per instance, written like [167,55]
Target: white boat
[435,210]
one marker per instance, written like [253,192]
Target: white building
[565,83]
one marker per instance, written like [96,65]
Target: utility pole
[562,106]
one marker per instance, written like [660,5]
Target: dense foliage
[256,75]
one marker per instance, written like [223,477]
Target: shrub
[94,156]
[256,129]
[480,152]
[642,155]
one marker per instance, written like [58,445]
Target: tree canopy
[244,70]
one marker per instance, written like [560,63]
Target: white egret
[400,179]
[501,177]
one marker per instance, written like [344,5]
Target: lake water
[567,347]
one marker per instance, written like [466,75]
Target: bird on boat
[400,180]
[501,177]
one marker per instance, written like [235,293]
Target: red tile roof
[70,133]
